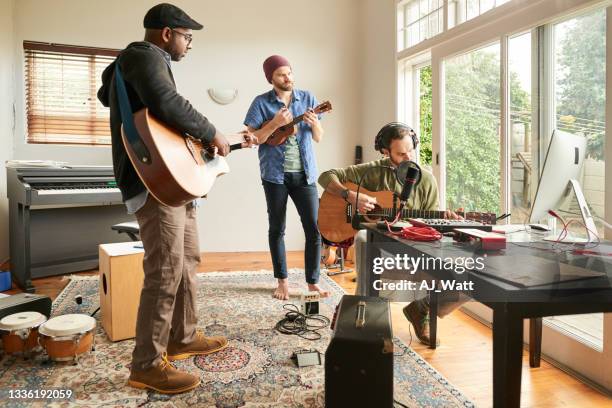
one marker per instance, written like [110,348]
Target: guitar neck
[297,120]
[408,213]
[487,218]
[300,118]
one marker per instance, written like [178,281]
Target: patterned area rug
[254,371]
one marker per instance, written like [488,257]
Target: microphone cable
[298,324]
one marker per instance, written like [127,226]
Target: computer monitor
[562,165]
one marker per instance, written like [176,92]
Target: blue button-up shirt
[272,158]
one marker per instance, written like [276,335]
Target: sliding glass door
[578,75]
[498,106]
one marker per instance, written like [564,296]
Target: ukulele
[281,134]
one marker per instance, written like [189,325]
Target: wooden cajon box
[121,278]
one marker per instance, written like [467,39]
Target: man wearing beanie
[289,169]
[166,322]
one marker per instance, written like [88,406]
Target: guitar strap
[127,119]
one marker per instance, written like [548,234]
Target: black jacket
[150,84]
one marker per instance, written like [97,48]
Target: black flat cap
[168,15]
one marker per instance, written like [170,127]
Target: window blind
[61,82]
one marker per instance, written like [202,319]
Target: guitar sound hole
[205,156]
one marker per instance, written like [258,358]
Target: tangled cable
[298,324]
[414,233]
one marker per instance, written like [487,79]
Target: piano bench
[131,228]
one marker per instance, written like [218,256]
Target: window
[425,153]
[415,105]
[546,69]
[472,130]
[460,11]
[522,172]
[419,20]
[579,73]
[61,84]
[580,99]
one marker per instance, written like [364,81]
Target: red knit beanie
[272,63]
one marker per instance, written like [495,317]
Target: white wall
[6,114]
[320,38]
[379,67]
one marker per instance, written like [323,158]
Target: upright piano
[58,217]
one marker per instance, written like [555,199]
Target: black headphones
[383,138]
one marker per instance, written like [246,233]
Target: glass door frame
[584,361]
[592,363]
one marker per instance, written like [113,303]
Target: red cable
[420,234]
[564,232]
[415,233]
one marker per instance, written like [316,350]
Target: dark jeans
[306,200]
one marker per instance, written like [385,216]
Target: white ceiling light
[223,96]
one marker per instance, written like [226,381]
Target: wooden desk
[511,303]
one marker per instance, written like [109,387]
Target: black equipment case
[25,302]
[359,358]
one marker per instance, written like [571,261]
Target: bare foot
[282,290]
[314,287]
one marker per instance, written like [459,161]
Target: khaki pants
[167,310]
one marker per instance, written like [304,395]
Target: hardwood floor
[464,356]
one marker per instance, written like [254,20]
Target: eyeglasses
[188,37]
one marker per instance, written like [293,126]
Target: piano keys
[58,217]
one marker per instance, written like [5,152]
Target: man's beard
[286,87]
[176,56]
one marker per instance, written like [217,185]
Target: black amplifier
[359,358]
[25,302]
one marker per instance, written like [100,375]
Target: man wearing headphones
[398,143]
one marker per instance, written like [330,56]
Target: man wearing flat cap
[289,169]
[166,322]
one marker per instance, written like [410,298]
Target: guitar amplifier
[25,302]
[359,358]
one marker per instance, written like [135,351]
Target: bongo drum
[67,337]
[20,331]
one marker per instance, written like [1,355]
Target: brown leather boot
[200,346]
[417,313]
[163,378]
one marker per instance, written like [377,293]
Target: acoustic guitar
[335,214]
[178,168]
[281,134]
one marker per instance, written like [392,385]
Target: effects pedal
[310,303]
[306,358]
